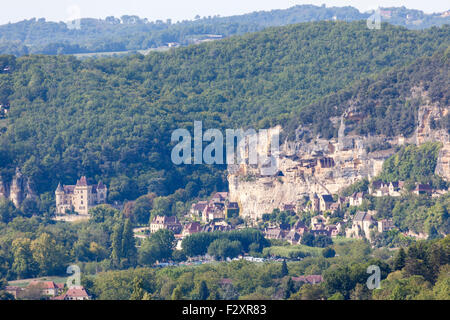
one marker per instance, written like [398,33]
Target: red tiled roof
[309,279]
[44,284]
[76,292]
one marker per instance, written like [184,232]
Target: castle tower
[82,196]
[101,192]
[59,194]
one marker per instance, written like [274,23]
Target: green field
[25,282]
[292,251]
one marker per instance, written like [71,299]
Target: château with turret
[80,197]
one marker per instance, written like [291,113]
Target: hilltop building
[80,197]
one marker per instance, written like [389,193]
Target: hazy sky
[64,10]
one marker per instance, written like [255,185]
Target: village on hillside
[329,214]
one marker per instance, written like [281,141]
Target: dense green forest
[385,101]
[111,118]
[414,164]
[37,36]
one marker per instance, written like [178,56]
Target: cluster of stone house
[172,223]
[50,289]
[216,209]
[79,197]
[380,189]
[318,226]
[395,189]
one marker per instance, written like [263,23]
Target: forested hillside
[133,33]
[386,102]
[111,119]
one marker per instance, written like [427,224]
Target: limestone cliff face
[18,189]
[326,166]
[425,132]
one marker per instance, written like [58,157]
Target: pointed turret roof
[82,181]
[101,186]
[59,188]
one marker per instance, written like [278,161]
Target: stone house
[356,199]
[423,189]
[48,288]
[197,208]
[293,237]
[385,225]
[191,228]
[165,222]
[326,200]
[361,224]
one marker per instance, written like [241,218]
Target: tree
[3,294]
[203,291]
[124,252]
[48,254]
[284,269]
[158,247]
[360,292]
[399,260]
[224,248]
[24,265]
[177,293]
[128,243]
[102,213]
[116,240]
[141,209]
[7,210]
[328,252]
[289,288]
[138,293]
[309,292]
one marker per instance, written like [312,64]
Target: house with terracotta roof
[191,228]
[48,288]
[74,293]
[198,207]
[423,189]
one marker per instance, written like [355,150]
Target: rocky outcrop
[18,190]
[425,132]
